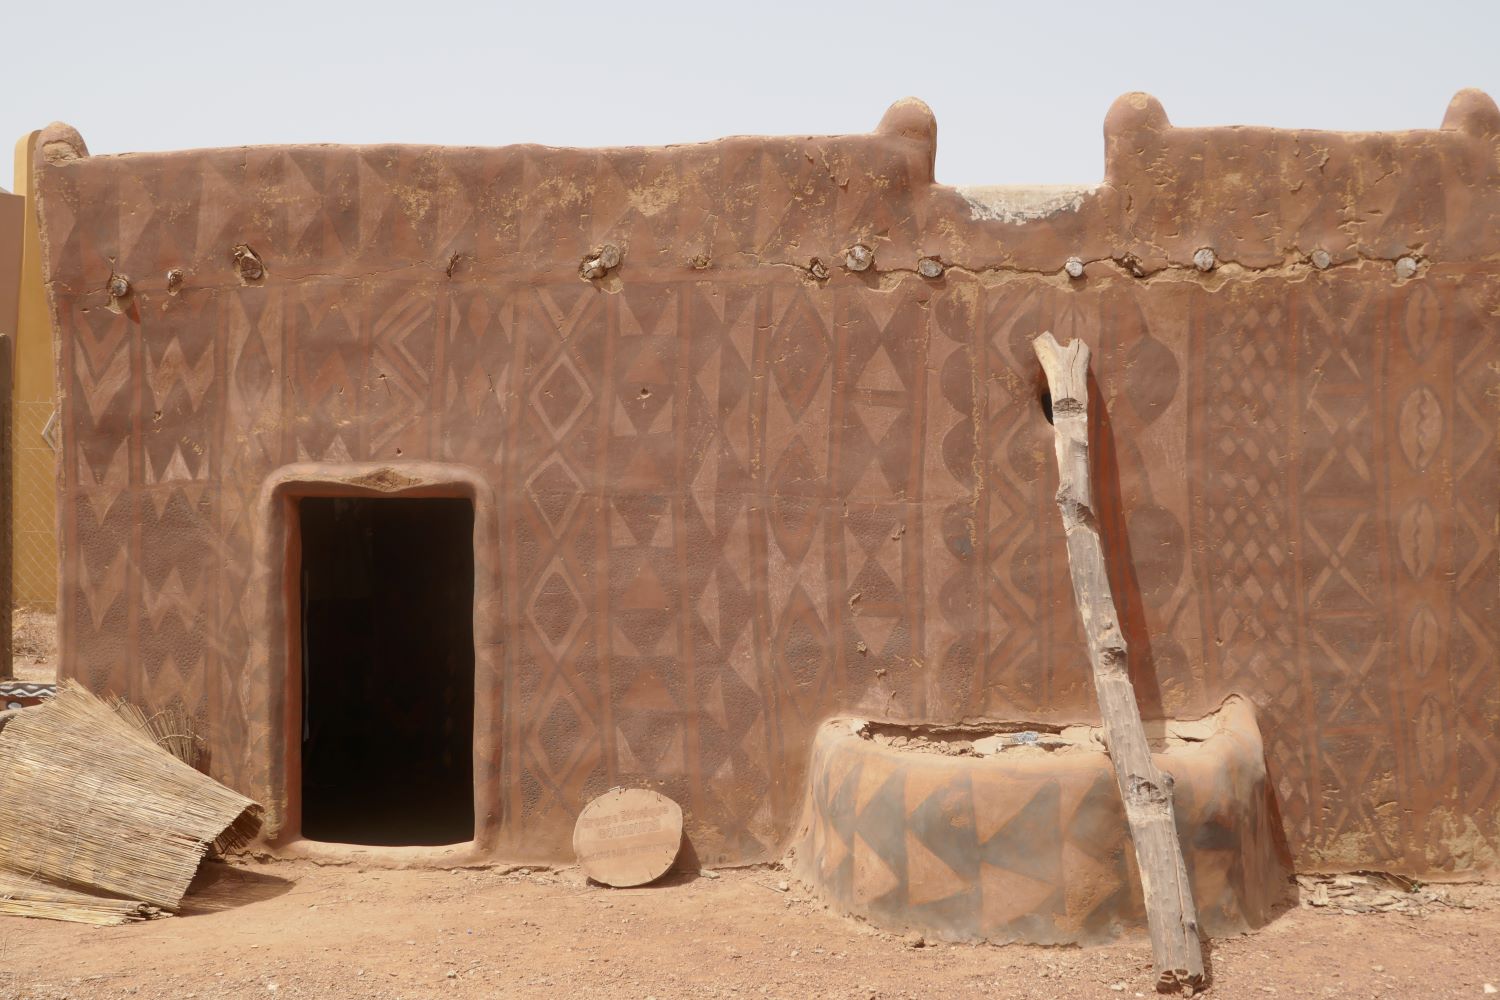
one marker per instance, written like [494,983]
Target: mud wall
[33,405]
[732,497]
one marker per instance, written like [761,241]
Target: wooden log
[1145,790]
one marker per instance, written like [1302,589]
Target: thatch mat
[23,897]
[89,801]
[172,729]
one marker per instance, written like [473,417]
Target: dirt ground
[34,645]
[296,929]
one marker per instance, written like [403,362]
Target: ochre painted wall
[12,233]
[12,242]
[722,499]
[34,553]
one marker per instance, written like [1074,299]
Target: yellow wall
[12,230]
[34,528]
[12,239]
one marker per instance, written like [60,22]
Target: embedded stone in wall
[733,487]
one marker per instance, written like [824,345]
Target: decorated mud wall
[733,485]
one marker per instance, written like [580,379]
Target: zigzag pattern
[734,501]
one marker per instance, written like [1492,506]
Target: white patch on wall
[1021,203]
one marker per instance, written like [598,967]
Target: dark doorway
[387,670]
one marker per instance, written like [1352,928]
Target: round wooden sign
[628,836]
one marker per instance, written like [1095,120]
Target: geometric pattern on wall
[1036,849]
[735,501]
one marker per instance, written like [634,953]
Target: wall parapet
[739,492]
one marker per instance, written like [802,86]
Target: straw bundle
[172,729]
[23,897]
[88,800]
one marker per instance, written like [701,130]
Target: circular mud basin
[628,836]
[1018,834]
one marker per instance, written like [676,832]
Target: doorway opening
[387,650]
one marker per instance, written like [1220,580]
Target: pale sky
[1020,90]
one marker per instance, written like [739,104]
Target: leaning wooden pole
[1145,790]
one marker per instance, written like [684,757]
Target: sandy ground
[34,645]
[293,929]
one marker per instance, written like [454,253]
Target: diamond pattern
[729,502]
[1006,850]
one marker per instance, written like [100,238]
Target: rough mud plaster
[732,501]
[1033,848]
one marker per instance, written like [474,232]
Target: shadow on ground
[218,887]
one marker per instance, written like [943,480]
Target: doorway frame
[280,562]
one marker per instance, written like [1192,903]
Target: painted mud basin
[1016,833]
